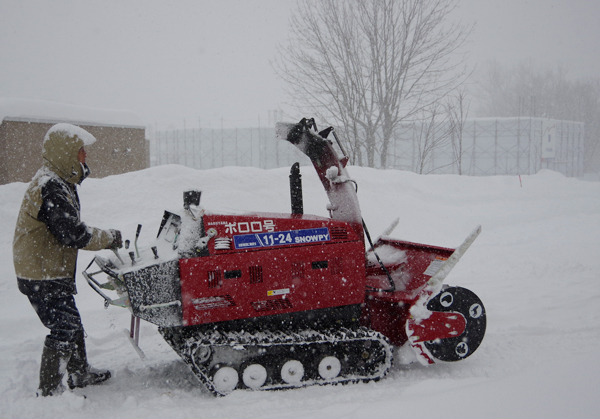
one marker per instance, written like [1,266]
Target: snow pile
[388,255]
[535,266]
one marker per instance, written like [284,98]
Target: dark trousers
[54,304]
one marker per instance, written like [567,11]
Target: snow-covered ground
[536,266]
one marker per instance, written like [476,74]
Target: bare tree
[433,131]
[369,65]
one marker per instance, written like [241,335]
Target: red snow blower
[275,301]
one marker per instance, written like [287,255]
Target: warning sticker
[281,238]
[282,291]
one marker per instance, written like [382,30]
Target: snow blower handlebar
[113,282]
[95,285]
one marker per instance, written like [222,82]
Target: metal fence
[497,146]
[491,146]
[202,148]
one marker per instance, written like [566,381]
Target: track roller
[329,367]
[292,372]
[225,380]
[254,376]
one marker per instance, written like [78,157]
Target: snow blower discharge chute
[275,301]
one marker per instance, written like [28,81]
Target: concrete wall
[116,150]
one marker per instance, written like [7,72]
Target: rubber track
[267,346]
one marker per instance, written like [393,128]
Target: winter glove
[117,242]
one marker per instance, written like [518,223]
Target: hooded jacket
[49,231]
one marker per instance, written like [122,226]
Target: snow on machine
[275,301]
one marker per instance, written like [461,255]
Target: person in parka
[48,235]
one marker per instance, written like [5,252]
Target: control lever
[137,234]
[116,252]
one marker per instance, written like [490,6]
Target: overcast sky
[208,61]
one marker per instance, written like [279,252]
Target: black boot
[52,370]
[81,374]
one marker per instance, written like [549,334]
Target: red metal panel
[387,318]
[439,325]
[388,312]
[279,280]
[421,261]
[227,227]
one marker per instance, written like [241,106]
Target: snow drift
[535,266]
